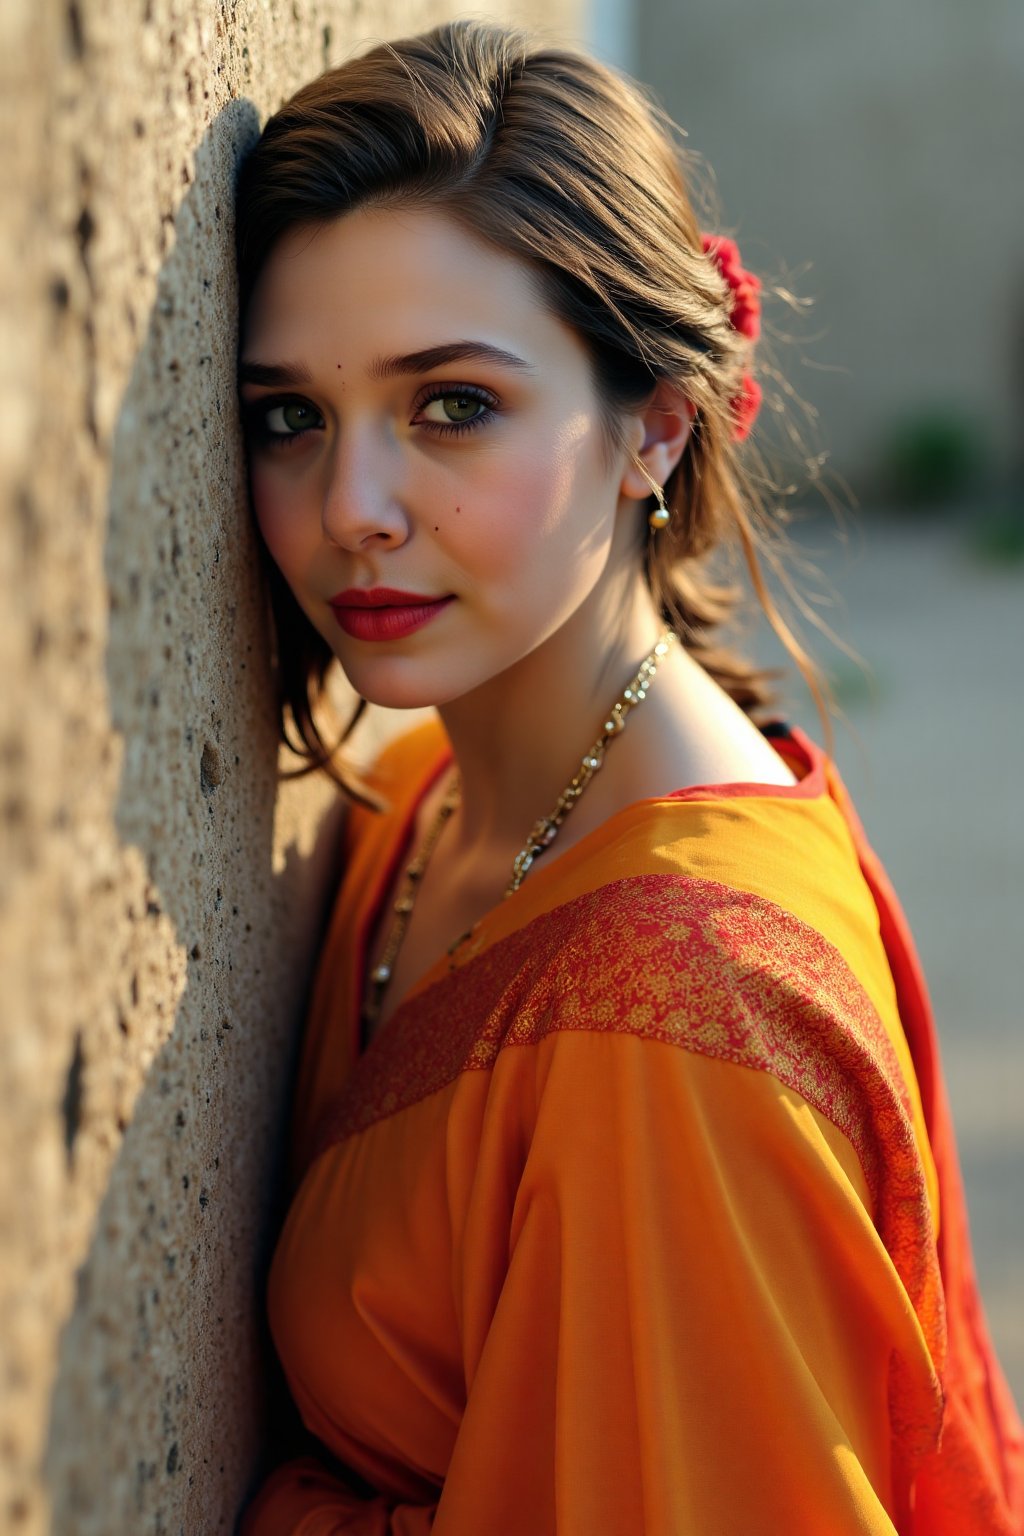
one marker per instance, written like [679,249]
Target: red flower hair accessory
[745,315]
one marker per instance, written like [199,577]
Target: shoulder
[773,876]
[688,960]
[656,989]
[715,972]
[685,962]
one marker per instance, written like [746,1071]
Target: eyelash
[464,392]
[256,415]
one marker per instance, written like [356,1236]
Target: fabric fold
[663,1163]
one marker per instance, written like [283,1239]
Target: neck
[519,739]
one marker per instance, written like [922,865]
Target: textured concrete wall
[160,895]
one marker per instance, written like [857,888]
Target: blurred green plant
[997,535]
[933,458]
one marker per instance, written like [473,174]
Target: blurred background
[867,158]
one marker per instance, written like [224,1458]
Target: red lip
[383,613]
[380,597]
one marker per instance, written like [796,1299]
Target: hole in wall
[211,768]
[71,1104]
[76,33]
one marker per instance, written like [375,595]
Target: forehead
[394,280]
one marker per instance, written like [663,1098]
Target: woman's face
[426,457]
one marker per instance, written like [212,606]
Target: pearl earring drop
[662,516]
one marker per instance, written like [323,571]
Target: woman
[625,1198]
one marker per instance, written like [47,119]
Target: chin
[395,685]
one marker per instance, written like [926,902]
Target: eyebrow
[449,352]
[273,373]
[424,361]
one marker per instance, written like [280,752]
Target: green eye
[458,408]
[291,417]
[461,407]
[454,408]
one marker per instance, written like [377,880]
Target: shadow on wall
[156,1415]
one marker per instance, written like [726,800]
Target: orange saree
[643,1215]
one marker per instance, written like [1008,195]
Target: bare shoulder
[690,733]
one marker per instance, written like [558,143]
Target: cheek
[278,517]
[541,516]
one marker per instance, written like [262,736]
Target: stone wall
[161,894]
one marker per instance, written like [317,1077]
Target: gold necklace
[542,834]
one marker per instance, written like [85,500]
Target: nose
[360,502]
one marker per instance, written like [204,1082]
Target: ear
[660,433]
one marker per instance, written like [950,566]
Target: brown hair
[560,161]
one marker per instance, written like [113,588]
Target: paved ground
[932,752]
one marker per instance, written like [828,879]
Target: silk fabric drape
[645,1218]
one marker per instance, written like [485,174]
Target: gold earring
[662,517]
